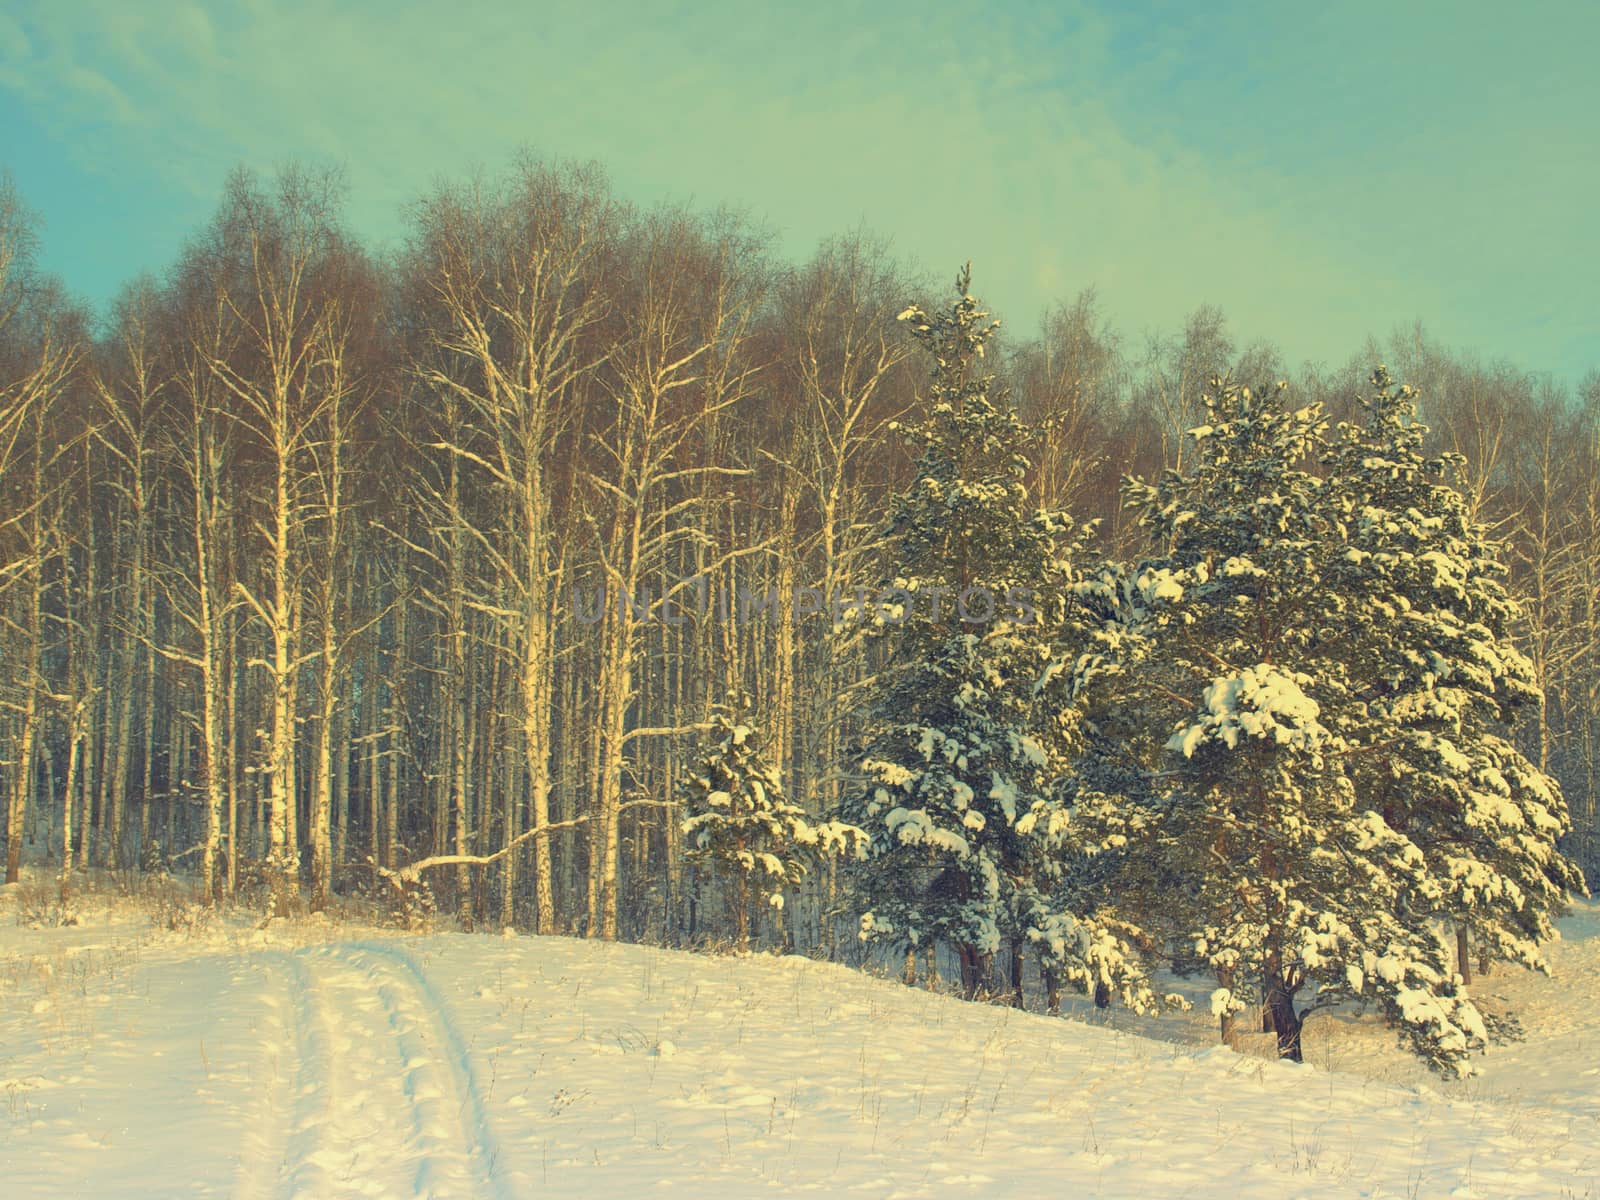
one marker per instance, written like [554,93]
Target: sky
[1321,172]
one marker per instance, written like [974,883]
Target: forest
[576,566]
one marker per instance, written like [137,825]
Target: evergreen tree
[962,752]
[743,832]
[1274,869]
[1441,685]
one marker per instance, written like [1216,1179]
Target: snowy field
[320,1061]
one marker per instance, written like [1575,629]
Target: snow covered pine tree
[961,751]
[1443,684]
[1279,868]
[742,831]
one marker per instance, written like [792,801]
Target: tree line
[320,569]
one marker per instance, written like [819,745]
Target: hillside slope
[309,1060]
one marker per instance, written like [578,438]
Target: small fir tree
[742,832]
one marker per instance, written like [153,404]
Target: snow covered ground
[320,1061]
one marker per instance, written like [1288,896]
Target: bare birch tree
[40,348]
[675,366]
[517,285]
[279,247]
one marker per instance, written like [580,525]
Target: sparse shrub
[406,902]
[40,906]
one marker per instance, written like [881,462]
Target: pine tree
[1441,685]
[963,751]
[743,833]
[1275,870]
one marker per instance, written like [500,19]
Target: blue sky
[1321,172]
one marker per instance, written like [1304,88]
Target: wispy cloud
[1318,188]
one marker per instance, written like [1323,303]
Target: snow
[1258,702]
[310,1059]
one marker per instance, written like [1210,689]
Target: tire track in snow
[267,1148]
[313,1154]
[266,1136]
[371,1092]
[421,1018]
